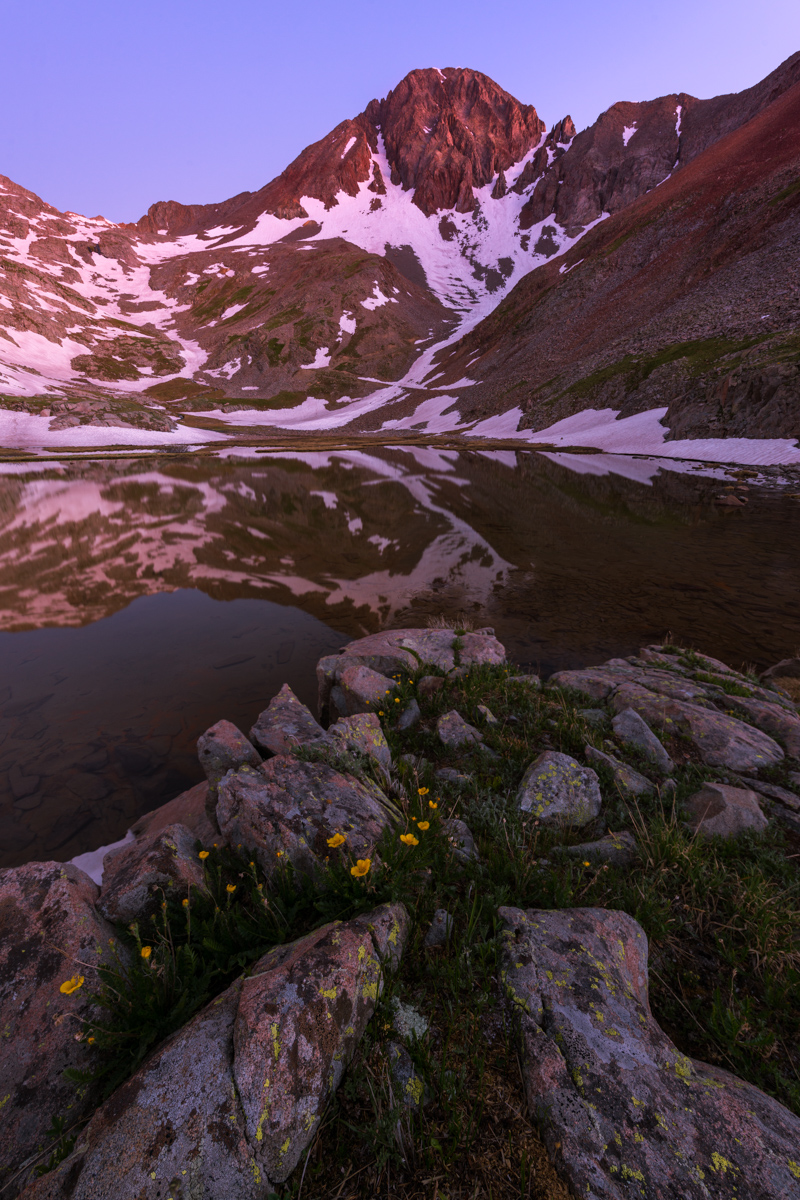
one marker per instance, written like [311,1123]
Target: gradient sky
[108,107]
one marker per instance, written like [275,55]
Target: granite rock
[632,730]
[721,811]
[628,781]
[138,877]
[621,1111]
[557,790]
[454,731]
[284,725]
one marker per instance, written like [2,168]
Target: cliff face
[445,208]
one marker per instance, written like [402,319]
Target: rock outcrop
[138,877]
[226,1107]
[557,790]
[622,1112]
[51,941]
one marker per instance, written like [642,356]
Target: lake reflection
[144,600]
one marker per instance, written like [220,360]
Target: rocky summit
[556,947]
[441,262]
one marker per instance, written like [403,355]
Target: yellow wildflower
[90,1040]
[587,864]
[71,985]
[204,853]
[432,804]
[380,712]
[423,825]
[338,839]
[422,791]
[361,868]
[185,903]
[231,888]
[147,951]
[397,699]
[408,839]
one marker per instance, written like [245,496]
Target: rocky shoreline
[408,750]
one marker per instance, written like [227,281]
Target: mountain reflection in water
[142,601]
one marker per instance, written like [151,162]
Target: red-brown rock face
[447,131]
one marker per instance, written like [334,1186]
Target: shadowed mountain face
[442,240]
[142,602]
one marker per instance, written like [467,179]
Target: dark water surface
[142,601]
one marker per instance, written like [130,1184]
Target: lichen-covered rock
[404,651]
[622,1112]
[773,718]
[616,849]
[284,725]
[359,689]
[294,808]
[226,1107]
[137,877]
[632,730]
[558,790]
[408,1085]
[454,731]
[628,781]
[50,933]
[188,809]
[223,748]
[720,740]
[718,810]
[362,734]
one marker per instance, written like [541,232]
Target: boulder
[559,791]
[461,840]
[616,849]
[227,1106]
[50,933]
[633,731]
[139,876]
[188,809]
[787,668]
[628,781]
[621,1111]
[454,731]
[404,651]
[485,716]
[223,748]
[360,689]
[362,734]
[720,740]
[451,775]
[781,794]
[284,725]
[409,717]
[410,1086]
[531,681]
[721,811]
[293,808]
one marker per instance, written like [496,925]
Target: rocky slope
[443,243]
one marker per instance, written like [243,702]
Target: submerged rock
[137,877]
[558,790]
[226,1107]
[50,935]
[294,808]
[722,811]
[621,1112]
[284,725]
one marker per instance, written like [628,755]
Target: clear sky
[109,105]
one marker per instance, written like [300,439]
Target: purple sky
[108,107]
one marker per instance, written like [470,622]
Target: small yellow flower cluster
[408,839]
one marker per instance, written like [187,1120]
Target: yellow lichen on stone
[721,1165]
[794,1168]
[286,1145]
[256,1172]
[414,1088]
[328,993]
[370,990]
[395,932]
[276,1042]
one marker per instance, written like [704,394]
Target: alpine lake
[143,599]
